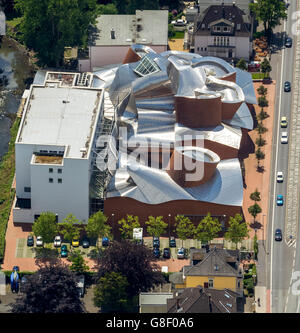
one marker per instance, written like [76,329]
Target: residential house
[204,300]
[115,33]
[216,269]
[222,31]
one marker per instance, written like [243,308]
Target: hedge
[7,171]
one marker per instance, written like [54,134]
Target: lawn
[259,76]
[7,171]
[178,35]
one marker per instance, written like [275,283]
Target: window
[146,66]
[50,180]
[59,180]
[50,170]
[59,170]
[210,283]
[201,48]
[225,29]
[205,49]
[27,189]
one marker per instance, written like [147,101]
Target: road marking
[276,160]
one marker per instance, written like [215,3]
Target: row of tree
[206,230]
[125,269]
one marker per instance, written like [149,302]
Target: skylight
[146,66]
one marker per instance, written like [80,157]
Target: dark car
[156,252]
[167,253]
[105,241]
[172,242]
[278,235]
[288,42]
[287,86]
[85,243]
[30,240]
[156,242]
[64,251]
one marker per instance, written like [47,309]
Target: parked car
[288,42]
[57,241]
[80,282]
[181,253]
[167,253]
[105,241]
[283,122]
[278,235]
[30,240]
[156,252]
[85,243]
[23,284]
[64,251]
[287,86]
[39,241]
[279,200]
[172,242]
[284,137]
[156,242]
[279,177]
[75,242]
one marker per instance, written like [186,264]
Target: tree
[255,246]
[237,230]
[259,156]
[263,102]
[110,293]
[184,227]
[130,6]
[156,226]
[254,210]
[171,31]
[242,64]
[109,9]
[270,12]
[261,129]
[69,227]
[135,262]
[127,226]
[52,289]
[45,226]
[78,263]
[260,141]
[262,115]
[208,229]
[262,91]
[255,196]
[97,226]
[49,26]
[265,66]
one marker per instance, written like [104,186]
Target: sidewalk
[260,299]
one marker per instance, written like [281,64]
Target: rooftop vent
[112,34]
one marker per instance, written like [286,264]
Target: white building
[116,33]
[54,146]
[223,31]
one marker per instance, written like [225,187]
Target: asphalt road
[284,257]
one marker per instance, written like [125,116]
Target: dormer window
[225,29]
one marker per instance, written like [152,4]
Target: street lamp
[169,224]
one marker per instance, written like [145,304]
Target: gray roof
[149,27]
[214,264]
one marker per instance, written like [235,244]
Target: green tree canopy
[130,6]
[269,12]
[255,196]
[237,230]
[97,226]
[127,225]
[254,210]
[78,262]
[242,64]
[208,229]
[262,91]
[156,226]
[260,155]
[110,293]
[70,227]
[46,227]
[184,227]
[109,9]
[263,102]
[260,141]
[49,26]
[265,66]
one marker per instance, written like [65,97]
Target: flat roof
[148,27]
[60,116]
